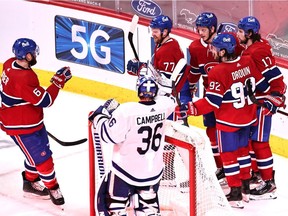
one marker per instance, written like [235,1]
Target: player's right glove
[61,77]
[134,66]
[186,109]
[105,110]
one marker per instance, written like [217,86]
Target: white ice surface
[67,120]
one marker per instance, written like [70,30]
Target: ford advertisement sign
[147,8]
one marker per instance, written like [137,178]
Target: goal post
[192,188]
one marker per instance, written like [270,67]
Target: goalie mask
[146,87]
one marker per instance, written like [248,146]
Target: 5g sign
[89,43]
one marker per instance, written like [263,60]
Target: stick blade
[180,65]
[134,23]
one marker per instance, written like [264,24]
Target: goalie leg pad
[148,203]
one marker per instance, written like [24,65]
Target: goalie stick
[177,70]
[63,143]
[254,99]
[133,25]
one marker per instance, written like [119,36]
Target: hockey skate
[235,198]
[221,177]
[34,189]
[255,179]
[266,190]
[246,190]
[56,196]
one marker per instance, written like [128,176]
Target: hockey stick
[177,70]
[63,143]
[254,99]
[133,25]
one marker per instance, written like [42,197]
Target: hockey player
[135,130]
[167,54]
[201,62]
[227,97]
[260,50]
[21,117]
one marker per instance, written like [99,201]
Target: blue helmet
[224,41]
[206,19]
[23,46]
[162,22]
[147,87]
[249,23]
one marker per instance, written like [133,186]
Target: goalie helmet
[146,87]
[162,22]
[224,41]
[23,46]
[249,23]
[206,19]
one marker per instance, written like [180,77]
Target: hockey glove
[61,77]
[111,105]
[101,110]
[134,67]
[189,108]
[273,102]
[181,111]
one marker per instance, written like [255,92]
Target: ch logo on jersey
[209,66]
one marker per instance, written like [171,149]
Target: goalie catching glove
[105,110]
[134,67]
[61,77]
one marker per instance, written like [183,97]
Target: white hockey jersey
[136,130]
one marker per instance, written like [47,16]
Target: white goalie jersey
[135,130]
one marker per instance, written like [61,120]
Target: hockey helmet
[23,46]
[146,87]
[206,19]
[162,22]
[249,23]
[224,41]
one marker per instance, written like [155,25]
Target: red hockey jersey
[23,99]
[262,55]
[226,94]
[167,62]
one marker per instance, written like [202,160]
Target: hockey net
[189,185]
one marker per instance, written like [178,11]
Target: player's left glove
[61,77]
[134,66]
[273,102]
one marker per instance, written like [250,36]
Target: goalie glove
[61,77]
[111,105]
[105,110]
[134,67]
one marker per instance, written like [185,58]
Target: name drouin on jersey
[150,119]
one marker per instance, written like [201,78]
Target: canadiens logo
[209,66]
[43,153]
